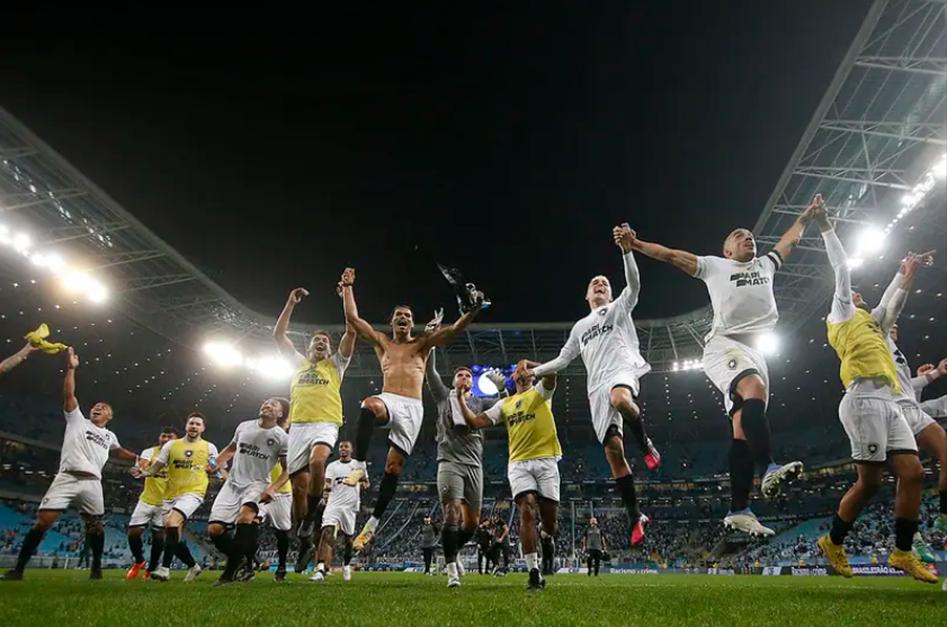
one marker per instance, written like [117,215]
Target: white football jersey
[258,451]
[741,293]
[342,496]
[85,447]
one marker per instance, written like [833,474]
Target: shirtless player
[402,358]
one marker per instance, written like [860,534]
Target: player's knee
[375,405]
[911,474]
[93,525]
[621,399]
[751,386]
[135,532]
[394,464]
[319,455]
[215,529]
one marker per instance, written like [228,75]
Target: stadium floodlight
[870,240]
[940,168]
[272,367]
[97,292]
[486,386]
[768,343]
[223,354]
[22,243]
[855,262]
[77,281]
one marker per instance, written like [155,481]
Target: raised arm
[892,301]
[352,319]
[681,259]
[927,374]
[70,403]
[445,334]
[280,331]
[624,239]
[842,307]
[434,382]
[791,237]
[15,359]
[568,352]
[474,421]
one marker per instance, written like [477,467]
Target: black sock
[449,542]
[223,542]
[756,428]
[183,553]
[170,546]
[30,542]
[363,434]
[97,544]
[904,530]
[137,547]
[588,562]
[157,546]
[242,548]
[347,553]
[386,491]
[548,545]
[840,529]
[741,475]
[943,501]
[250,542]
[626,487]
[282,547]
[636,427]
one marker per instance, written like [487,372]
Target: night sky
[273,151]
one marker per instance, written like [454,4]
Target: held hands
[912,262]
[624,237]
[347,280]
[816,213]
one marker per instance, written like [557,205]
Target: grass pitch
[48,598]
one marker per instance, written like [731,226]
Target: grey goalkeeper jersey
[593,539]
[456,442]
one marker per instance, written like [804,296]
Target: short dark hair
[459,368]
[345,441]
[195,414]
[320,332]
[391,316]
[284,403]
[169,429]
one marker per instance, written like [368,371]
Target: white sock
[452,570]
[917,537]
[372,523]
[531,561]
[321,567]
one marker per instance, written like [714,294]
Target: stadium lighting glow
[687,364]
[227,356]
[871,240]
[937,172]
[768,343]
[855,262]
[486,386]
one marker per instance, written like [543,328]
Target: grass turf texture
[408,599]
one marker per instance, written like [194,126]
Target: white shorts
[404,418]
[186,504]
[146,514]
[278,512]
[917,419]
[231,498]
[85,493]
[600,402]
[535,475]
[302,437]
[874,422]
[936,407]
[343,518]
[726,361]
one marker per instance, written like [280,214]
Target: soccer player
[593,544]
[341,509]
[608,343]
[402,358]
[929,435]
[429,533]
[459,463]
[500,546]
[869,411]
[86,446]
[741,294]
[188,460]
[315,414]
[256,448]
[149,511]
[927,374]
[484,538]
[278,512]
[534,453]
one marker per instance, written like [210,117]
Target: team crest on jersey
[188,453]
[603,311]
[270,442]
[519,404]
[732,364]
[872,448]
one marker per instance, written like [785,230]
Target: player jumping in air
[741,294]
